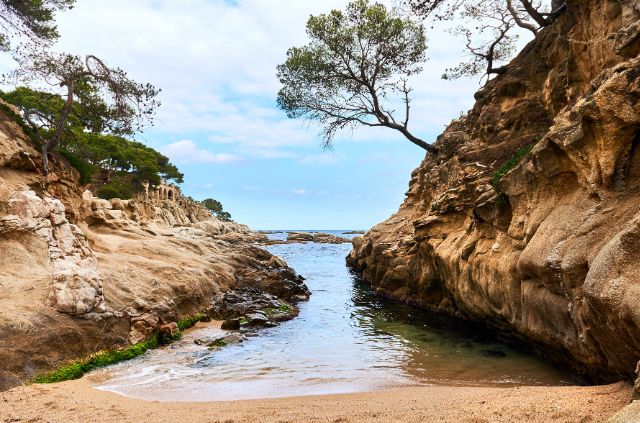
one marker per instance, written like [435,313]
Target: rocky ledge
[80,275]
[546,253]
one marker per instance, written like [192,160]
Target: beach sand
[76,401]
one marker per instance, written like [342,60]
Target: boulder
[220,340]
[142,328]
[169,330]
[231,324]
[257,318]
[276,262]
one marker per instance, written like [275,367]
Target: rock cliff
[551,259]
[80,275]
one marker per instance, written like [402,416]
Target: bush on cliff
[86,150]
[215,207]
[117,189]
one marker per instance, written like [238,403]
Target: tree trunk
[540,20]
[417,141]
[45,159]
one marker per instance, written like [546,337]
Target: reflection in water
[345,340]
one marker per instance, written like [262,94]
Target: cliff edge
[550,258]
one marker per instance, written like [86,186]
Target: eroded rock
[551,260]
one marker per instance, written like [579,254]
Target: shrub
[117,189]
[86,169]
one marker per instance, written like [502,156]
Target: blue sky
[215,61]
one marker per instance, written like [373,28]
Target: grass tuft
[510,164]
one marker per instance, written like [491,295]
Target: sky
[215,61]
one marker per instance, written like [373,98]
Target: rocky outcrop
[80,275]
[551,259]
[322,238]
[299,236]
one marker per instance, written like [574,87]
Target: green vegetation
[77,370]
[83,136]
[86,169]
[284,308]
[243,320]
[31,21]
[91,98]
[510,164]
[117,188]
[182,325]
[187,323]
[215,207]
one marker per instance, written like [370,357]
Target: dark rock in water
[205,318]
[271,324]
[243,301]
[353,233]
[492,353]
[231,324]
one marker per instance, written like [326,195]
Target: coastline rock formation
[319,237]
[80,275]
[551,258]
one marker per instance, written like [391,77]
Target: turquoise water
[345,340]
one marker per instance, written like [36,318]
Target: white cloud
[300,191]
[185,152]
[216,61]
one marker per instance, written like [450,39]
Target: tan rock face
[556,267]
[120,272]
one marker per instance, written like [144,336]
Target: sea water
[346,339]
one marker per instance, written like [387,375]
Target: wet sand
[76,401]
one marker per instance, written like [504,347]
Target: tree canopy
[354,69]
[99,98]
[82,135]
[29,21]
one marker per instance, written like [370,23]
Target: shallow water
[345,340]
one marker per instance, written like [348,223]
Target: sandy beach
[76,401]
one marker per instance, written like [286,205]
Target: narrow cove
[346,339]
